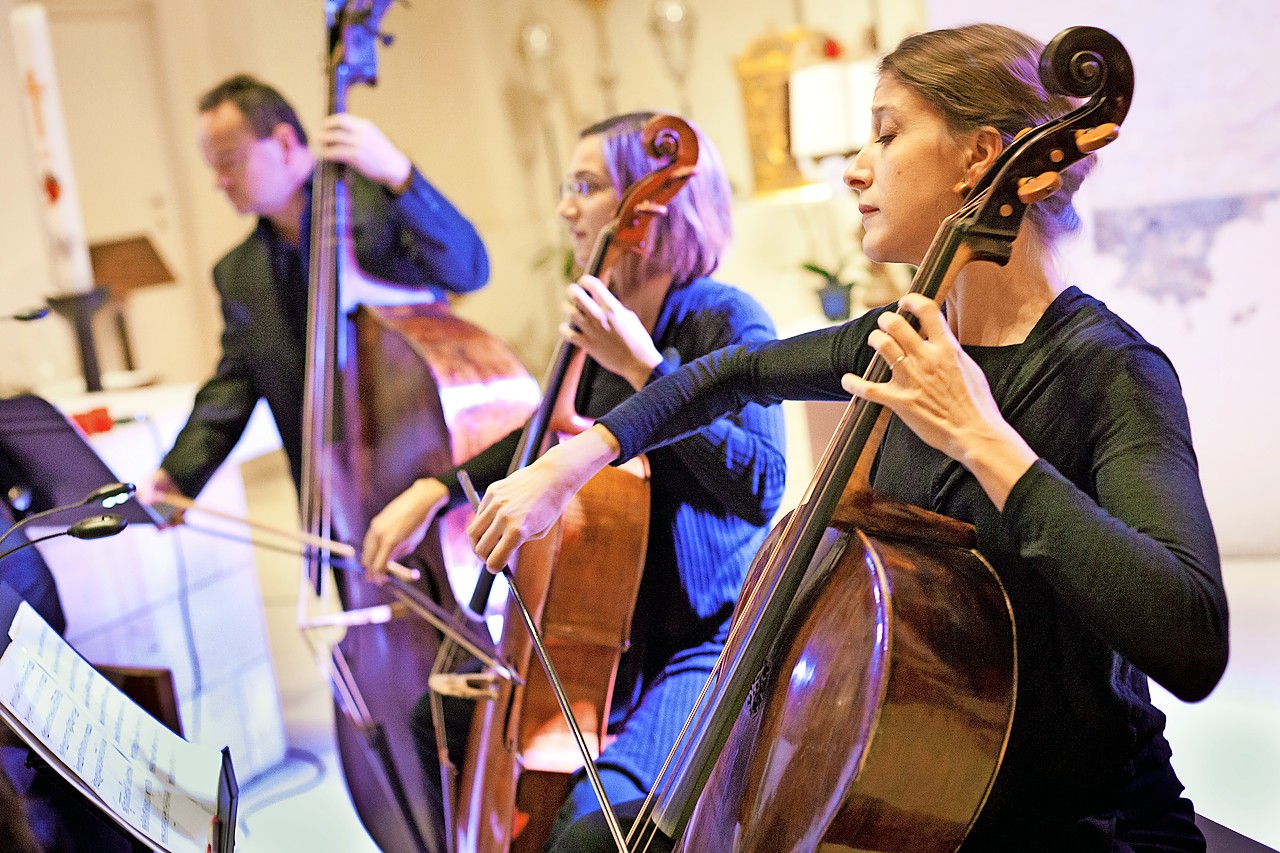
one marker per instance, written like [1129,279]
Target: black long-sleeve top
[1105,545]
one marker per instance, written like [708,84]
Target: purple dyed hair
[689,241]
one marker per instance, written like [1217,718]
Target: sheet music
[163,788]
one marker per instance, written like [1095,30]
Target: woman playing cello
[1024,407]
[713,493]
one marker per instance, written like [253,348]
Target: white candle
[48,134]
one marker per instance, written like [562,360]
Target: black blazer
[417,238]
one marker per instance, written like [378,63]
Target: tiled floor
[1227,748]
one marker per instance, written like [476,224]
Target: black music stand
[88,824]
[78,310]
[48,455]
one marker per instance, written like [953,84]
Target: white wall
[1179,218]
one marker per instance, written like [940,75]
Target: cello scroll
[1079,62]
[666,138]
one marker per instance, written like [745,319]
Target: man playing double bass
[404,231]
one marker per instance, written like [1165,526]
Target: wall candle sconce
[672,24]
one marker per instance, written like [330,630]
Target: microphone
[112,494]
[93,527]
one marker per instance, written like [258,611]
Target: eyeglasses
[581,188]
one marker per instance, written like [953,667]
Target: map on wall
[1166,249]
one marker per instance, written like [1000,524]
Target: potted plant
[834,294]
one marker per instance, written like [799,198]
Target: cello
[851,657]
[397,388]
[518,764]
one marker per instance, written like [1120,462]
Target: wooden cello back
[429,391]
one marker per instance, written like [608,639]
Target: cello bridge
[465,685]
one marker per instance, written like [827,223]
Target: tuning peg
[1031,190]
[1089,141]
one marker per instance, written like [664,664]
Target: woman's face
[906,175]
[587,197]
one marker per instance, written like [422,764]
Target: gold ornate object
[764,70]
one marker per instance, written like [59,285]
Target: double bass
[397,388]
[519,758]
[866,692]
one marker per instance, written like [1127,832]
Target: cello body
[877,668]
[580,582]
[394,393]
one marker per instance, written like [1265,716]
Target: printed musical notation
[159,786]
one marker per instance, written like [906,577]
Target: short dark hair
[263,107]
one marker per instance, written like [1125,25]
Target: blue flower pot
[836,302]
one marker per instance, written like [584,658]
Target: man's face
[251,171]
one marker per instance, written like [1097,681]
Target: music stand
[50,456]
[122,265]
[78,310]
[120,827]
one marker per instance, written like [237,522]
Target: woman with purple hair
[712,494]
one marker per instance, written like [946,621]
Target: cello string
[756,597]
[632,215]
[647,830]
[644,822]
